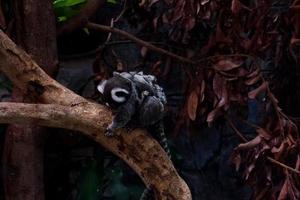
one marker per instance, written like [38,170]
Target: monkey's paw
[129,129]
[109,132]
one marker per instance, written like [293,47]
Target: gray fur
[146,101]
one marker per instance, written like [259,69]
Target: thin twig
[283,165]
[138,41]
[122,12]
[205,59]
[113,21]
[236,130]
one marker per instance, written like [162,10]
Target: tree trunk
[23,151]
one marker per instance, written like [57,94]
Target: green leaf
[66,12]
[86,31]
[65,9]
[67,3]
[62,19]
[112,1]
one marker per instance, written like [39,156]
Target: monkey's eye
[121,94]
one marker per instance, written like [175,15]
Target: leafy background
[231,115]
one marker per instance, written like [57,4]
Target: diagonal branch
[51,115]
[138,41]
[138,150]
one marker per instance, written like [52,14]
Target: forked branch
[139,151]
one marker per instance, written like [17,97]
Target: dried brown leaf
[192,105]
[293,191]
[236,6]
[249,170]
[278,151]
[155,22]
[221,36]
[237,160]
[252,81]
[298,163]
[242,72]
[155,69]
[202,94]
[220,90]
[144,51]
[251,144]
[264,133]
[218,83]
[254,93]
[273,98]
[189,23]
[203,2]
[283,192]
[227,64]
[255,73]
[213,115]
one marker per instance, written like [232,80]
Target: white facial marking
[116,98]
[101,86]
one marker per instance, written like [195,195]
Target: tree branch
[138,41]
[138,150]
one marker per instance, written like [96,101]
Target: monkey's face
[115,91]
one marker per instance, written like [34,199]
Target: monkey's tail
[159,128]
[163,139]
[147,194]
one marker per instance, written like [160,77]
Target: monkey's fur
[136,98]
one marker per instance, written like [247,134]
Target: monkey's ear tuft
[101,86]
[116,74]
[122,76]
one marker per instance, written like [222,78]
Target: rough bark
[23,160]
[36,32]
[137,149]
[23,152]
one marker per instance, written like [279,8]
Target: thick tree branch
[29,77]
[137,149]
[51,115]
[138,41]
